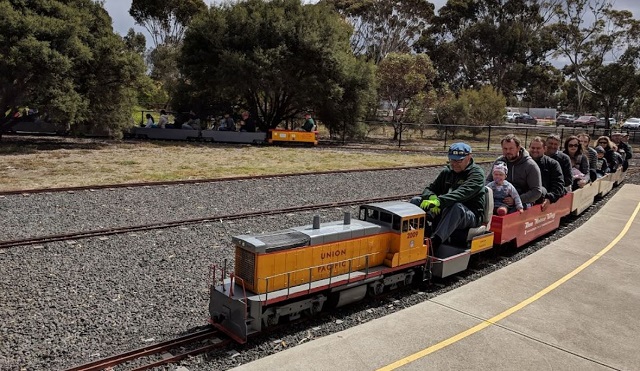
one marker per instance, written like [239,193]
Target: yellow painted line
[512,310]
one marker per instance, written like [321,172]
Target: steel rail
[160,348]
[164,225]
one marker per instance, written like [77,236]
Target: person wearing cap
[550,172]
[602,167]
[523,172]
[454,201]
[503,189]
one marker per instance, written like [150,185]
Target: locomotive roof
[400,208]
[306,235]
[272,241]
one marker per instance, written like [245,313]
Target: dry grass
[25,165]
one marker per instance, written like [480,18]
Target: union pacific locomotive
[301,270]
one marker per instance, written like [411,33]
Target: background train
[273,136]
[302,270]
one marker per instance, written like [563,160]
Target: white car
[511,116]
[632,123]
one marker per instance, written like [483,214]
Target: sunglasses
[573,145]
[604,143]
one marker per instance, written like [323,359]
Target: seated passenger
[601,166]
[309,124]
[454,201]
[553,150]
[523,173]
[247,123]
[624,139]
[619,156]
[579,162]
[613,159]
[164,119]
[150,122]
[592,156]
[227,123]
[619,140]
[550,171]
[503,189]
[193,123]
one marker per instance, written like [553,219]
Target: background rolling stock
[273,136]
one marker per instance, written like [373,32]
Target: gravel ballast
[66,303]
[44,214]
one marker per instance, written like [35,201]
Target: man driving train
[455,200]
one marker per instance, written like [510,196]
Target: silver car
[631,124]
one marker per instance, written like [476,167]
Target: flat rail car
[303,270]
[37,127]
[165,134]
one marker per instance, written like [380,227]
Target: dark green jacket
[466,187]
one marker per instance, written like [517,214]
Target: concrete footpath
[573,305]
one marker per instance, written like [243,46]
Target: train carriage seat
[488,212]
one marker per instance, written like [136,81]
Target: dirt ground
[44,162]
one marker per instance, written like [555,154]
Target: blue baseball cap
[458,151]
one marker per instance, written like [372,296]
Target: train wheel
[376,288]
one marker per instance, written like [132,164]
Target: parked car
[602,123]
[526,119]
[564,119]
[585,121]
[511,116]
[631,124]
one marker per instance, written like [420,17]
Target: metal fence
[413,135]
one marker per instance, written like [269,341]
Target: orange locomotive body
[290,272]
[299,270]
[276,136]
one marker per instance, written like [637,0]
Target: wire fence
[407,135]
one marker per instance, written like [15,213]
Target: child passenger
[602,166]
[501,189]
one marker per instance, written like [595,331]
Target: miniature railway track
[196,181]
[214,338]
[164,225]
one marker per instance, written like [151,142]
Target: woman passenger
[613,159]
[579,162]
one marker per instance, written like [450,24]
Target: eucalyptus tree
[136,42]
[402,78]
[384,26]
[486,106]
[63,58]
[276,58]
[165,20]
[602,46]
[497,42]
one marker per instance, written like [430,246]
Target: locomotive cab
[407,221]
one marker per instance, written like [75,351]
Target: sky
[122,21]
